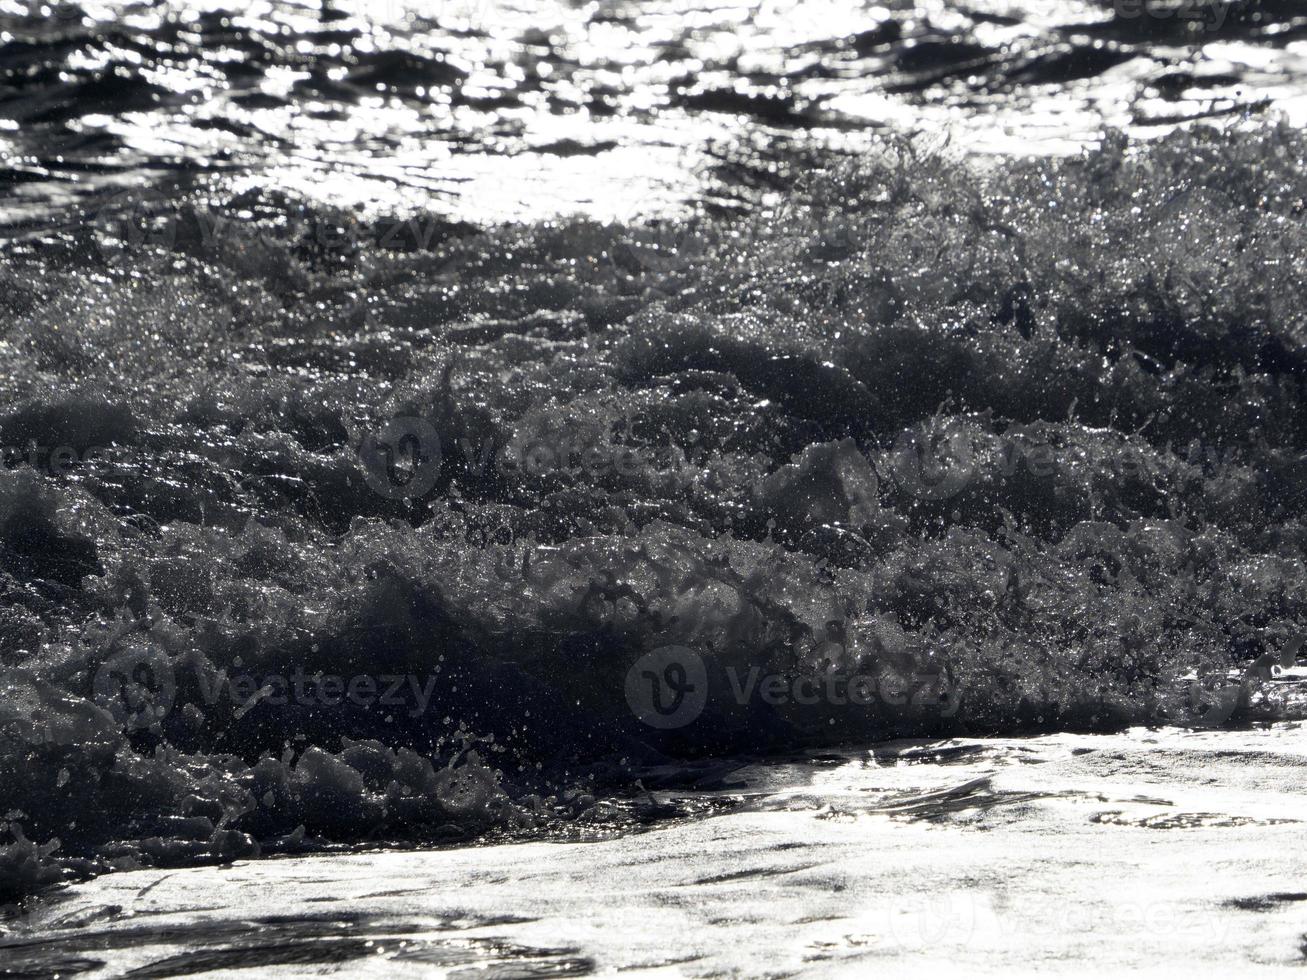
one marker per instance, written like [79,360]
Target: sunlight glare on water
[516,109]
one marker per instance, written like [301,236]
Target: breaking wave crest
[319,530]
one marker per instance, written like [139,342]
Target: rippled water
[964,855]
[512,108]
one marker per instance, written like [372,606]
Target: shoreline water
[992,856]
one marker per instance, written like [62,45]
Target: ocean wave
[321,529]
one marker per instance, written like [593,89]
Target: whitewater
[797,544]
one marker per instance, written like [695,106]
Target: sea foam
[1020,450]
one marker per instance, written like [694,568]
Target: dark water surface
[496,109]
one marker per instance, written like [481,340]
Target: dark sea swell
[322,523]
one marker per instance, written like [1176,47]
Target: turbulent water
[322,524]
